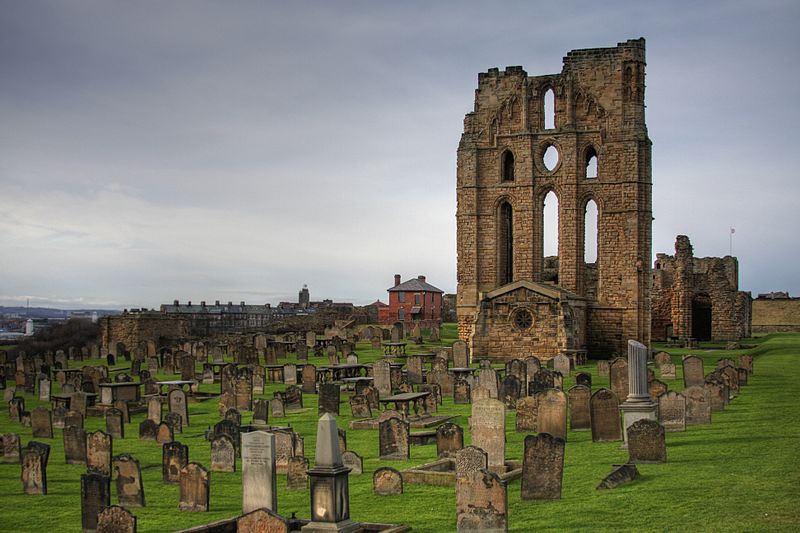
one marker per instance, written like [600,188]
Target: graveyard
[737,472]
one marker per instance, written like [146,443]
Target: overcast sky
[237,150]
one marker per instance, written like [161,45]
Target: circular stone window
[522,319]
[550,158]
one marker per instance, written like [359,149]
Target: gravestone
[226,401]
[662,358]
[394,439]
[73,418]
[353,461]
[74,445]
[188,364]
[164,433]
[41,423]
[194,488]
[579,411]
[174,456]
[743,375]
[510,391]
[234,416]
[461,392]
[584,378]
[618,378]
[542,467]
[11,448]
[605,416]
[371,394]
[122,407]
[130,491]
[95,496]
[258,471]
[672,411]
[359,406]
[277,408]
[177,404]
[329,398]
[469,461]
[656,388]
[746,362]
[542,380]
[297,473]
[693,374]
[382,381]
[290,374]
[621,475]
[667,371]
[114,423]
[387,481]
[414,369]
[488,420]
[284,449]
[698,406]
[487,379]
[44,390]
[561,364]
[260,412]
[148,429]
[527,410]
[116,519]
[174,421]
[375,343]
[99,450]
[262,521]
[223,454]
[460,354]
[34,469]
[449,440]
[552,413]
[646,442]
[16,406]
[309,379]
[243,392]
[231,429]
[481,503]
[603,368]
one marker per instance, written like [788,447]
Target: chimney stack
[216,303]
[241,303]
[421,278]
[176,303]
[396,280]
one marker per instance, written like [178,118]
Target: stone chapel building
[510,301]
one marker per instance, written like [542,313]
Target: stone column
[638,405]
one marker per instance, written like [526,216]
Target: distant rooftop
[417,284]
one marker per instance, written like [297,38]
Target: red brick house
[411,301]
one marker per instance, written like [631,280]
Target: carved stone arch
[507,164]
[585,152]
[504,198]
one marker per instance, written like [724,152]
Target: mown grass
[739,474]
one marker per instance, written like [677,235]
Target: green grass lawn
[742,473]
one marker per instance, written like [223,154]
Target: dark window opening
[508,166]
[506,244]
[701,317]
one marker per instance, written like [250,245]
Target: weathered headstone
[667,371]
[488,421]
[487,379]
[277,407]
[662,358]
[656,388]
[672,411]
[579,413]
[481,503]
[510,391]
[174,456]
[99,450]
[130,491]
[621,475]
[603,368]
[177,404]
[11,448]
[542,467]
[618,378]
[329,398]
[526,415]
[116,519]
[262,521]
[698,406]
[297,473]
[693,373]
[95,496]
[359,406]
[561,364]
[605,416]
[382,381]
[41,423]
[74,445]
[148,429]
[387,481]
[552,413]
[164,433]
[414,369]
[115,426]
[223,454]
[34,469]
[194,488]
[460,354]
[449,440]
[394,439]
[646,442]
[260,412]
[461,392]
[584,378]
[353,461]
[309,379]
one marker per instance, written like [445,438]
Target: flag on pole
[733,230]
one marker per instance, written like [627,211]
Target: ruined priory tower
[511,302]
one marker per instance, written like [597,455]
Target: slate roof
[414,285]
